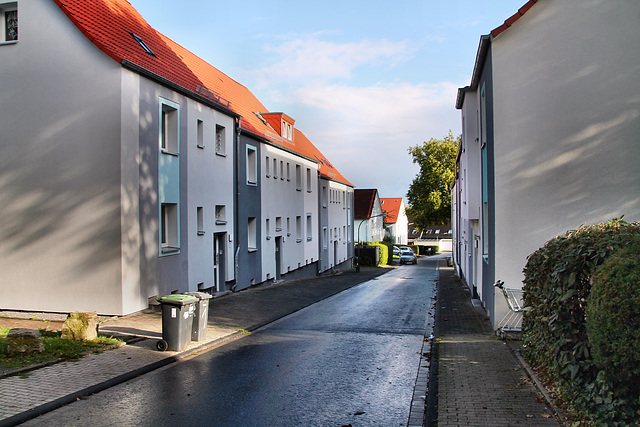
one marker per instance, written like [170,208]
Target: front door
[278,257]
[218,261]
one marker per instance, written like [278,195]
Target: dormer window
[9,18]
[287,130]
[143,44]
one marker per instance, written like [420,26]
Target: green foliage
[557,284]
[383,257]
[613,320]
[54,348]
[429,195]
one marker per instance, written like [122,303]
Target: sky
[363,80]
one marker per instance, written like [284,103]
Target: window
[298,228]
[281,169]
[324,196]
[324,237]
[252,165]
[309,228]
[267,229]
[275,170]
[267,166]
[278,223]
[221,215]
[143,44]
[287,131]
[308,180]
[298,178]
[9,17]
[485,175]
[288,226]
[252,234]
[221,146]
[169,135]
[288,172]
[200,220]
[169,228]
[200,131]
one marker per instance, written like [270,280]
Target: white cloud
[308,58]
[365,132]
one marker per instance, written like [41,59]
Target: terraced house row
[131,168]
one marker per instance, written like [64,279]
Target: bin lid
[177,299]
[199,295]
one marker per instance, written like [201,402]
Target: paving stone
[479,379]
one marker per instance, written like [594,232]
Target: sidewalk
[28,394]
[480,382]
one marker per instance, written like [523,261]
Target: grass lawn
[54,348]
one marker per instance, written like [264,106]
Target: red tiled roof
[391,206]
[109,25]
[509,22]
[483,49]
[363,202]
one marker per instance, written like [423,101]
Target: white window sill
[201,233]
[200,146]
[170,250]
[170,153]
[221,154]
[253,249]
[220,222]
[9,42]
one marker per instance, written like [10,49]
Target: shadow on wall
[569,127]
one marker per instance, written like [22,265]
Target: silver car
[408,257]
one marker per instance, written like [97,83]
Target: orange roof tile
[110,25]
[391,206]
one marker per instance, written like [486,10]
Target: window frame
[252,234]
[309,227]
[169,228]
[169,127]
[221,140]
[4,9]
[252,165]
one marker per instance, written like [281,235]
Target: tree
[429,195]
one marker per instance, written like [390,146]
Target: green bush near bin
[572,336]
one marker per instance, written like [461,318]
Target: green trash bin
[177,320]
[201,316]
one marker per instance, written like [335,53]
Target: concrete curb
[557,412]
[96,388]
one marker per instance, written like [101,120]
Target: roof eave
[181,89]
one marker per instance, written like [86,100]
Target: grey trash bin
[177,320]
[201,316]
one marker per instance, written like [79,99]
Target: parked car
[396,251]
[408,257]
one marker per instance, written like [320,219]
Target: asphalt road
[350,359]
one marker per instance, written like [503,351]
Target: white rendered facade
[563,109]
[289,184]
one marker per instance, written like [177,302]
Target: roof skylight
[143,44]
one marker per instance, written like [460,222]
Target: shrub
[557,284]
[383,254]
[613,321]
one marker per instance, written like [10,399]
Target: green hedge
[613,322]
[384,252]
[557,285]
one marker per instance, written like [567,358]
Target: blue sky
[364,80]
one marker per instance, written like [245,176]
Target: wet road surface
[350,359]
